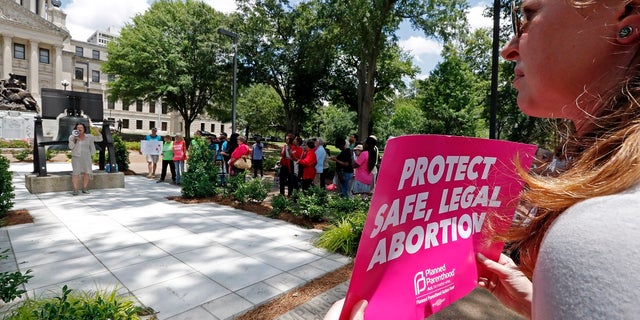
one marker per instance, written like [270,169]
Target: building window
[111,105]
[125,106]
[138,124]
[139,106]
[213,127]
[152,107]
[202,127]
[222,128]
[165,108]
[125,123]
[18,51]
[95,54]
[152,124]
[95,76]
[111,78]
[164,126]
[79,74]
[44,56]
[79,51]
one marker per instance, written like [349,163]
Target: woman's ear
[628,26]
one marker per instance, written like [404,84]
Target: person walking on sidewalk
[152,159]
[82,146]
[167,159]
[179,157]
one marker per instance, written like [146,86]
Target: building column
[34,62]
[58,76]
[7,57]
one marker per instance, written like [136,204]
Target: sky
[84,17]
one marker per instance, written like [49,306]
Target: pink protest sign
[428,218]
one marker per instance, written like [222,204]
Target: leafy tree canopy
[172,51]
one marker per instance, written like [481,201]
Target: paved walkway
[186,261]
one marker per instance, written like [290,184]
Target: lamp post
[65,84]
[233,36]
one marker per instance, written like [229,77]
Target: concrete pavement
[186,261]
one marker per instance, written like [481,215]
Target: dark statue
[14,96]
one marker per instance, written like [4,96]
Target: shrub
[132,145]
[6,187]
[50,153]
[122,154]
[201,179]
[270,162]
[11,282]
[344,236]
[280,204]
[80,305]
[256,190]
[339,207]
[311,203]
[14,144]
[24,155]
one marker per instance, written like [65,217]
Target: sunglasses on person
[516,19]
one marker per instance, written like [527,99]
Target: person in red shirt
[307,164]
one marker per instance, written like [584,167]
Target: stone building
[37,48]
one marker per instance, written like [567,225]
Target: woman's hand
[507,283]
[357,313]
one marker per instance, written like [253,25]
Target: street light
[65,84]
[234,36]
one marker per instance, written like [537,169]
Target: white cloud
[84,17]
[420,46]
[476,19]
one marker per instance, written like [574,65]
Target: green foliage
[311,203]
[132,145]
[335,122]
[11,282]
[286,48]
[24,155]
[50,153]
[259,107]
[344,236]
[173,51]
[6,187]
[14,144]
[78,305]
[122,153]
[280,204]
[255,190]
[339,207]
[270,161]
[201,179]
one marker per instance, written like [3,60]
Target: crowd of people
[305,163]
[302,163]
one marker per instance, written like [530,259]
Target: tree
[448,98]
[259,109]
[170,52]
[365,28]
[285,48]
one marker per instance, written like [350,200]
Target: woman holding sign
[579,244]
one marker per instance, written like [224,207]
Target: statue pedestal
[16,125]
[61,181]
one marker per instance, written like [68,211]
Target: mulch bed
[15,217]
